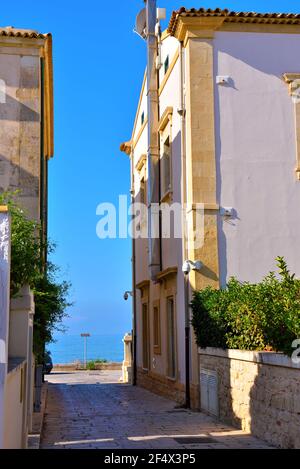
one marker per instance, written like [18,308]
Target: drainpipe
[184,199]
[134,335]
[153,144]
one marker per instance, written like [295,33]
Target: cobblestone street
[92,410]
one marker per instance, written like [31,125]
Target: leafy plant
[92,364]
[262,316]
[29,268]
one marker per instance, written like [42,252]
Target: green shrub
[262,316]
[28,267]
[92,364]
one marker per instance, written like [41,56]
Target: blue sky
[98,69]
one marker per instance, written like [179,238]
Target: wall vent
[209,392]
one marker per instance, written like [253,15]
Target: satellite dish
[140,24]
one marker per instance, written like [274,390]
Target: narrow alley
[93,410]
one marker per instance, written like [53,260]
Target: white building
[226,130]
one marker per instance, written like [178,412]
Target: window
[145,327]
[165,131]
[171,338]
[142,118]
[166,64]
[166,167]
[142,191]
[156,330]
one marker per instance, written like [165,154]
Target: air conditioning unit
[209,400]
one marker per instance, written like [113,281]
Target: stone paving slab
[93,410]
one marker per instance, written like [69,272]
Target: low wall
[15,405]
[168,388]
[79,367]
[257,392]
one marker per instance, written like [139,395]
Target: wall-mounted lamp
[126,295]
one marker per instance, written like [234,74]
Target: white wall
[256,153]
[4,311]
[14,409]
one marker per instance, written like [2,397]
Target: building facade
[26,144]
[26,113]
[228,147]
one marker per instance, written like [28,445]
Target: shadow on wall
[20,110]
[13,177]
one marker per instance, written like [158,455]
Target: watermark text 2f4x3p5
[139,221]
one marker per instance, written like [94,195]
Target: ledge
[265,358]
[14,364]
[143,284]
[165,118]
[167,273]
[23,301]
[141,162]
[167,197]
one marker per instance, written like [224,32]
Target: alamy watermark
[296,354]
[2,91]
[139,221]
[2,352]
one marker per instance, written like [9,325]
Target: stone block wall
[258,392]
[168,388]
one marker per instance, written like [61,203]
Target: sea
[70,348]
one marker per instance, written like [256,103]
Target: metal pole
[153,143]
[187,344]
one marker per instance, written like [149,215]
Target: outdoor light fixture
[126,295]
[188,265]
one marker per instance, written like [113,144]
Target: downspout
[182,112]
[134,335]
[153,144]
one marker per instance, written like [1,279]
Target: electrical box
[209,392]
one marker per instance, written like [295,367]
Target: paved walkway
[92,410]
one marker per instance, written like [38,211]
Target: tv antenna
[140,24]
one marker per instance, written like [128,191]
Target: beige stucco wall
[171,248]
[14,409]
[258,392]
[20,145]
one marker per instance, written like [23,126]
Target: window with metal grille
[156,330]
[145,326]
[171,338]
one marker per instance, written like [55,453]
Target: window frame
[172,365]
[156,328]
[145,334]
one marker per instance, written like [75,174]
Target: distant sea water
[69,348]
